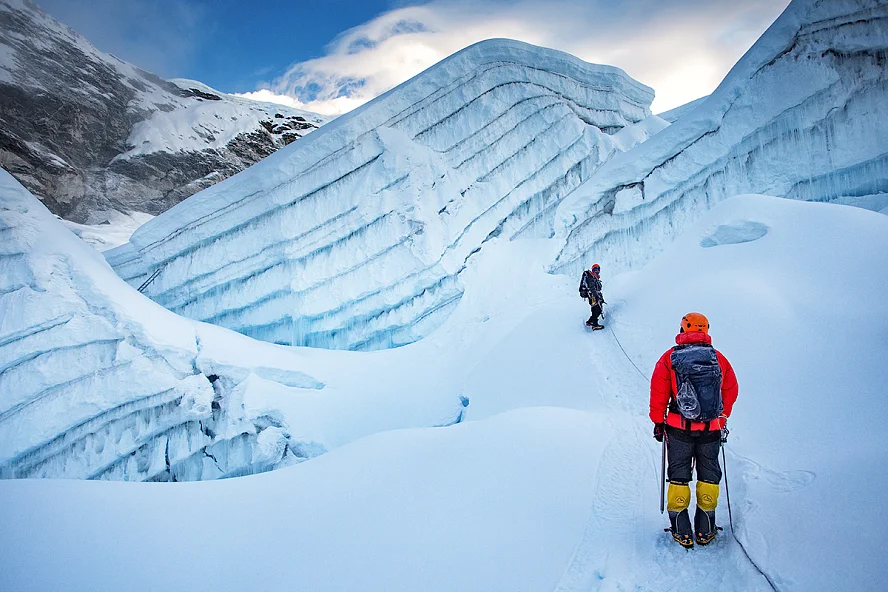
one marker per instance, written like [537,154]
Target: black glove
[659,431]
[724,434]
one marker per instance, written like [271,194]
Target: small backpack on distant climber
[699,377]
[587,287]
[584,289]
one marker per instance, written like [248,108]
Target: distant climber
[590,289]
[693,389]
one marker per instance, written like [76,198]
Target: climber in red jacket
[693,390]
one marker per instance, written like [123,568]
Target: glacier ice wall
[97,382]
[803,115]
[354,238]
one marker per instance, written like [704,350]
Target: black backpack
[699,378]
[584,289]
[587,285]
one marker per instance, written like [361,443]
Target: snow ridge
[802,116]
[355,237]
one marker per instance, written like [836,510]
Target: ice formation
[354,238]
[802,115]
[97,382]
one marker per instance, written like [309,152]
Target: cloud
[681,49]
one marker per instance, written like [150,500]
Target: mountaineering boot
[678,500]
[704,518]
[681,528]
[704,526]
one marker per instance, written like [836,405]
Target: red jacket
[664,386]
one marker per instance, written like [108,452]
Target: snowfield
[502,445]
[550,480]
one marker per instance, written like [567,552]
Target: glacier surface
[355,237]
[556,451]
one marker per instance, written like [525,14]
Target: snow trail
[623,545]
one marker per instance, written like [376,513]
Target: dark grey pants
[596,312]
[693,449]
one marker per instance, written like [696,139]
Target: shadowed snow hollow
[355,237]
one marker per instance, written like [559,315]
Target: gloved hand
[659,431]
[723,422]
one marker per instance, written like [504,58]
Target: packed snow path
[623,545]
[624,541]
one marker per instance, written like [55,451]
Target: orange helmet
[595,268]
[694,321]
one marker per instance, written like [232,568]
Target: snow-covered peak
[213,120]
[43,53]
[90,133]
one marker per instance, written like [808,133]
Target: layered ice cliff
[98,382]
[803,115]
[355,237]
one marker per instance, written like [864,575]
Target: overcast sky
[330,56]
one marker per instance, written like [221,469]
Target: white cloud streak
[681,49]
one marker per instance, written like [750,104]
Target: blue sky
[333,55]
[231,45]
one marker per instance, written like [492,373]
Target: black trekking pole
[663,476]
[727,489]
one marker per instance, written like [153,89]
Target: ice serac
[97,382]
[354,238]
[802,115]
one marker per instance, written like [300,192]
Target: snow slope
[356,237]
[214,123]
[114,231]
[801,115]
[552,483]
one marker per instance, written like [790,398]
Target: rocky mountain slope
[89,133]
